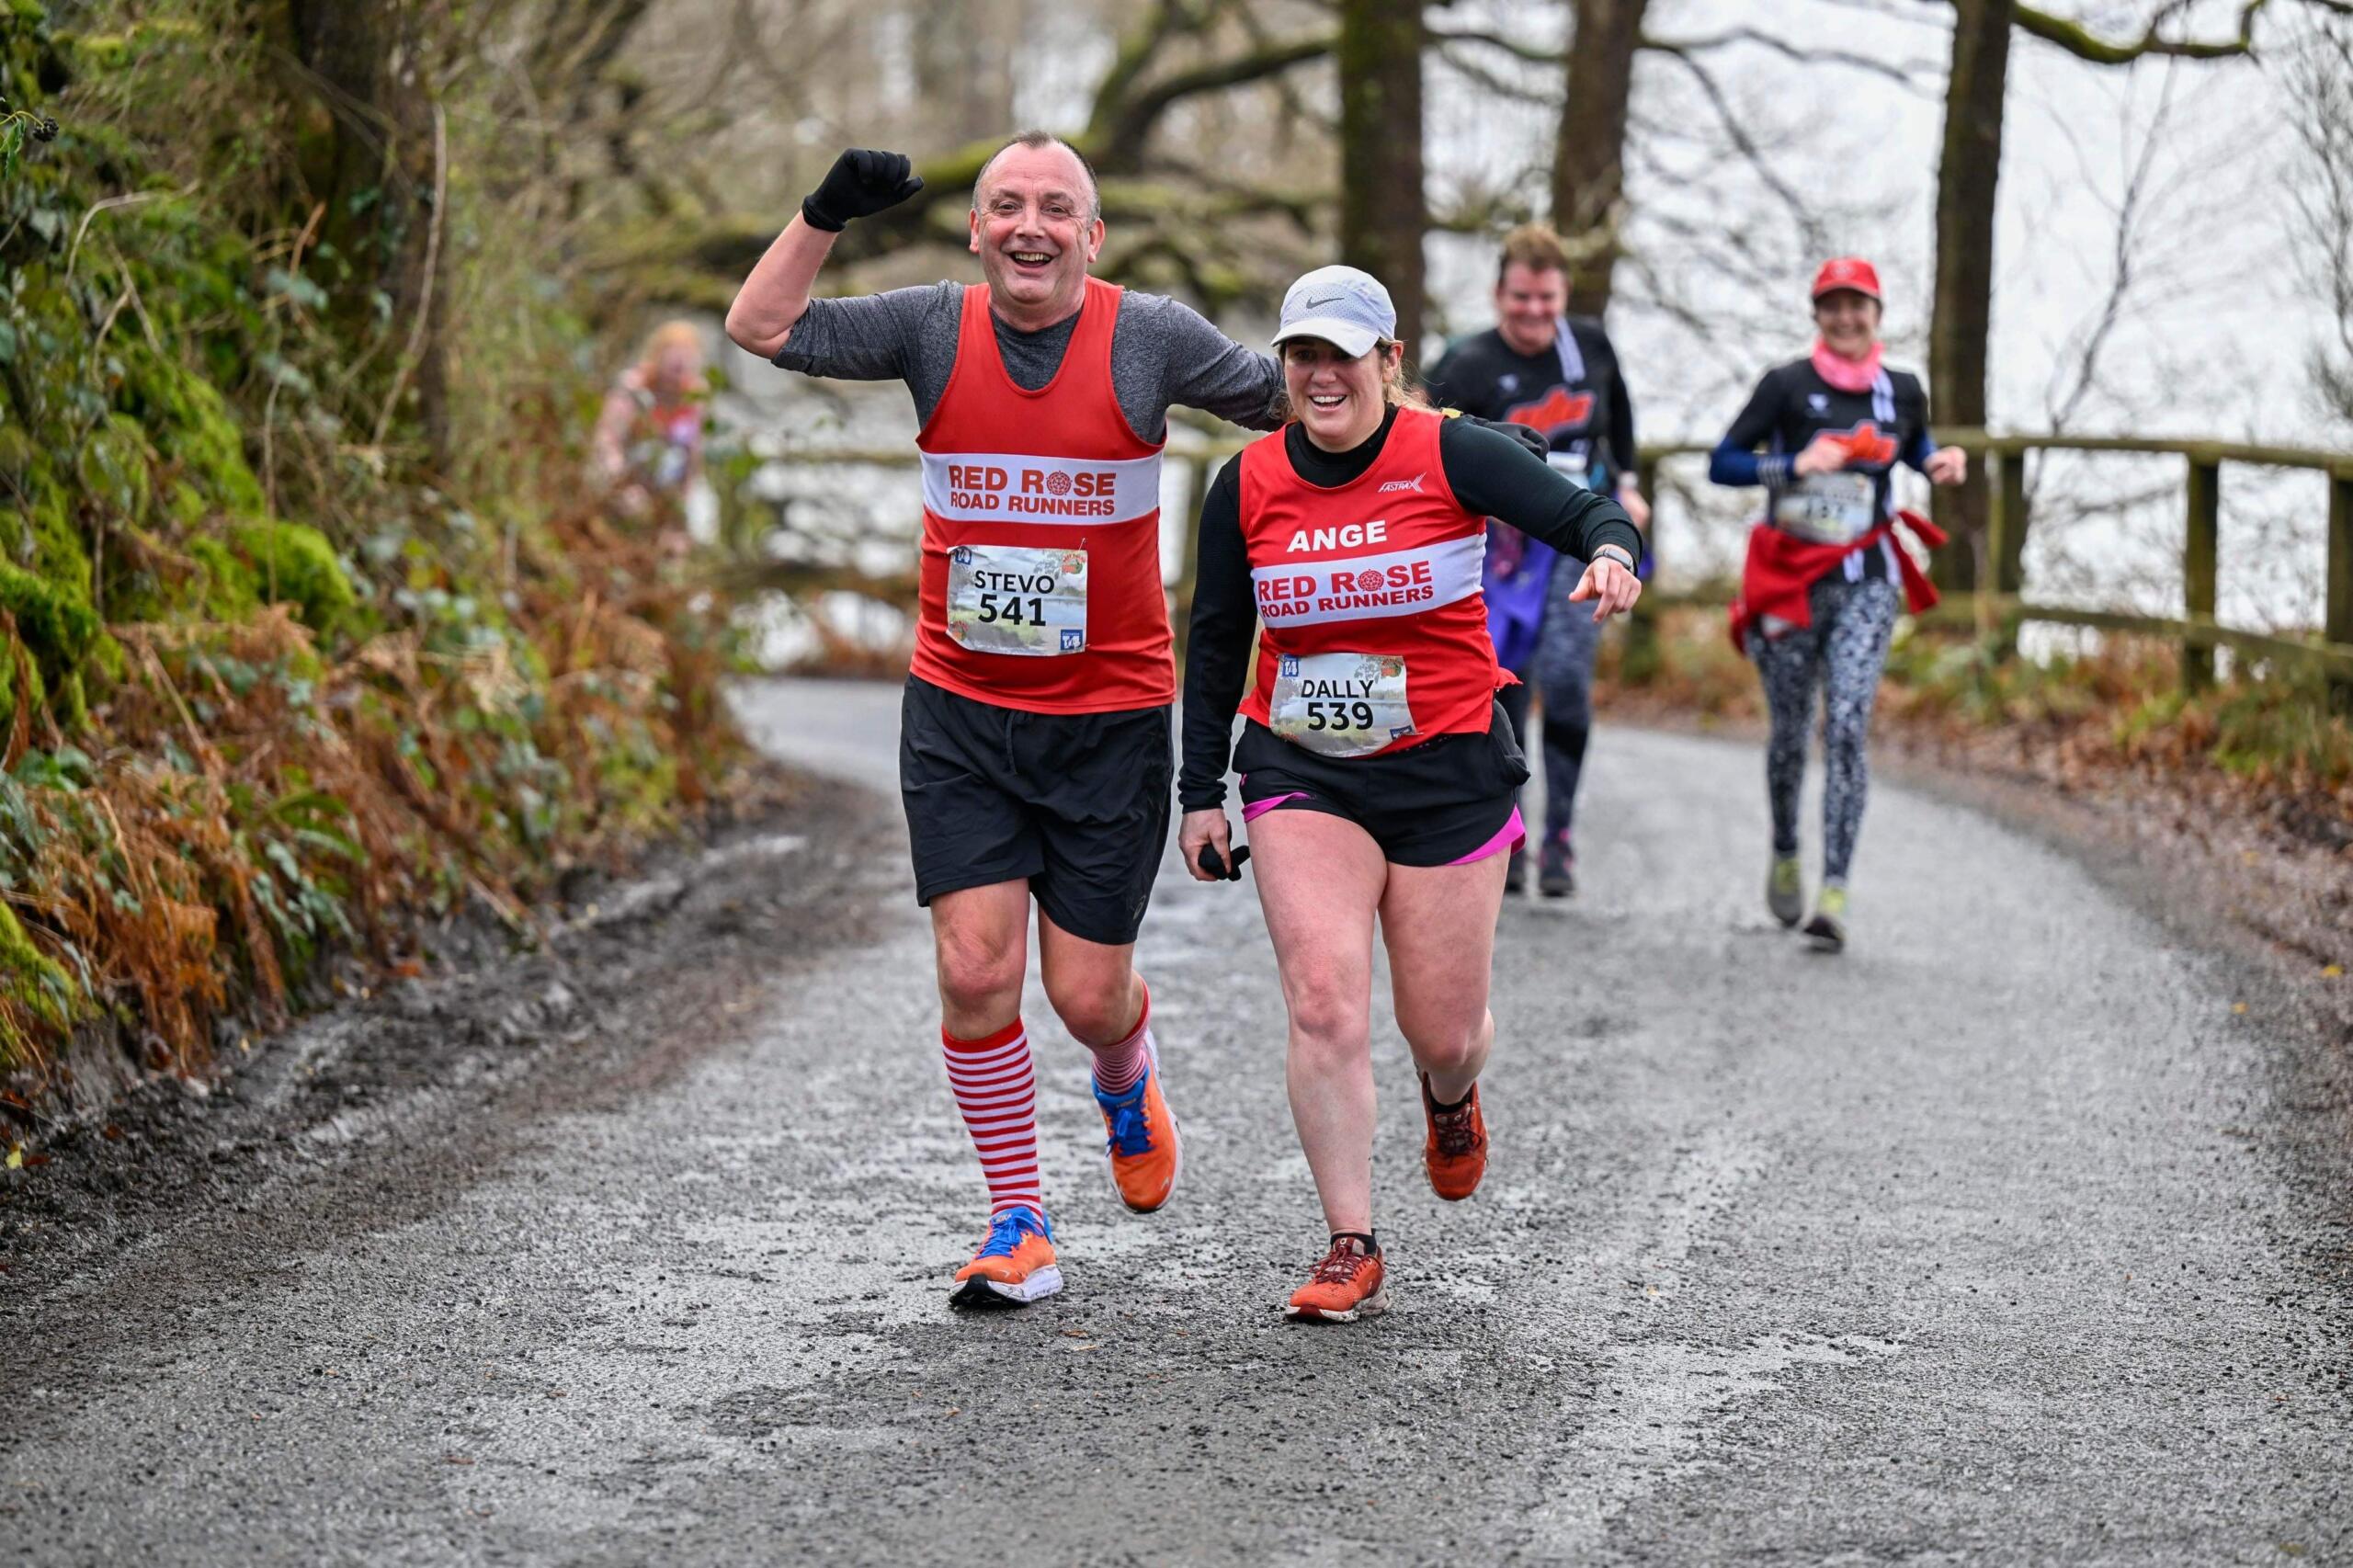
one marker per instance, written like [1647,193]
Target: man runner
[1541,367]
[1034,754]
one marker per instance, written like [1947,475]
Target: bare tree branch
[1902,74]
[1753,154]
[2084,44]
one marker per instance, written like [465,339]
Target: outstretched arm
[774,298]
[1490,472]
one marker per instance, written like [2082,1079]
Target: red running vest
[1386,565]
[1041,583]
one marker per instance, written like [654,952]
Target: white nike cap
[1344,306]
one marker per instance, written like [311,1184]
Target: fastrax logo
[1413,484]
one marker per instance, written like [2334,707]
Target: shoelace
[1131,1131]
[1340,1266]
[1006,1232]
[1456,1134]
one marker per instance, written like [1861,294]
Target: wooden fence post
[2339,622]
[2006,541]
[1642,658]
[2199,543]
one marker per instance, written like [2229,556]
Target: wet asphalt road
[1974,1244]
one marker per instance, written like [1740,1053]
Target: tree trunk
[373,164]
[1962,316]
[1589,163]
[1381,215]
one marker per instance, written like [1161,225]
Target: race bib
[1340,704]
[1008,599]
[1829,508]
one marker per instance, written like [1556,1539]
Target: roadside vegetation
[308,627]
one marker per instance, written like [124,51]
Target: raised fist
[861,183]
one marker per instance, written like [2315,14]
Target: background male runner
[1541,367]
[1035,755]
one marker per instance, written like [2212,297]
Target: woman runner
[648,440]
[1377,767]
[1818,594]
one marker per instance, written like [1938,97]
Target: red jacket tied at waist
[1781,567]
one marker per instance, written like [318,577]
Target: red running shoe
[1347,1285]
[1455,1154]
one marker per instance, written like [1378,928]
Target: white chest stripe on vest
[1009,487]
[1369,587]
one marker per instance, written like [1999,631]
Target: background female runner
[1818,595]
[1378,769]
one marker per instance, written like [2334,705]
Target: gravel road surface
[2001,1238]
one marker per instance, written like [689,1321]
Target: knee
[1098,1009]
[1328,1020]
[1568,731]
[1845,734]
[977,969]
[1448,1049]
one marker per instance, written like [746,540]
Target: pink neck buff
[1847,375]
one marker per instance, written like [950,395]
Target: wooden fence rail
[1990,610]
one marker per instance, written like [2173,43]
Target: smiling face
[1529,304]
[1339,400]
[1035,230]
[1850,322]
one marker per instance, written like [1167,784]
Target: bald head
[1038,155]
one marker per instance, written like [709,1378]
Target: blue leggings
[1561,674]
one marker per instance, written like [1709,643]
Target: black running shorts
[1439,803]
[1074,804]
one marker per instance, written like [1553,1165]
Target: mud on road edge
[406,1097]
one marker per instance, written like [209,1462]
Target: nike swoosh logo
[1319,305]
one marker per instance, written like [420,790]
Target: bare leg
[1439,923]
[1319,881]
[980,942]
[1092,988]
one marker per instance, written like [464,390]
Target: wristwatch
[1615,553]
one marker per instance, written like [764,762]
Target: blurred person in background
[1819,591]
[649,439]
[1557,373]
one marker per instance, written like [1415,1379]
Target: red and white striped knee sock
[1118,1068]
[997,1091]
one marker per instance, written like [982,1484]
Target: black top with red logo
[1793,405]
[1371,553]
[1571,390]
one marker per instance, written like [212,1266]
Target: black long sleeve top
[1490,473]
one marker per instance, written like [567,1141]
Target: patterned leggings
[1844,648]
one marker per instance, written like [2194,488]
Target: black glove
[861,183]
[1215,865]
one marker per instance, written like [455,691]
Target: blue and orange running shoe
[1013,1267]
[1140,1139]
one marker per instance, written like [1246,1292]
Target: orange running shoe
[1455,1154]
[1146,1151]
[1013,1267]
[1347,1285]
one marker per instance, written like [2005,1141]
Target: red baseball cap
[1847,272]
